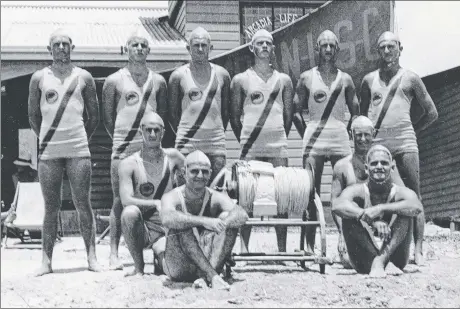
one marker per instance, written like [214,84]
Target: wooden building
[439,148]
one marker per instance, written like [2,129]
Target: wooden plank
[210,7]
[442,190]
[445,199]
[434,154]
[212,18]
[224,36]
[224,45]
[221,27]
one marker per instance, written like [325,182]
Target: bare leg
[341,246]
[206,265]
[409,167]
[115,218]
[79,172]
[245,234]
[134,232]
[318,164]
[396,249]
[361,248]
[50,174]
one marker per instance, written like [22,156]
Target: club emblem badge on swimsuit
[377,98]
[257,97]
[51,96]
[132,98]
[147,189]
[195,94]
[320,96]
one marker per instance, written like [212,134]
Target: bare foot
[377,269]
[115,263]
[200,283]
[419,259]
[94,266]
[219,284]
[134,272]
[43,270]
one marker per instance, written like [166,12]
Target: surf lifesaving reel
[264,192]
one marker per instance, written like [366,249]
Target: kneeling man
[383,207]
[202,227]
[144,177]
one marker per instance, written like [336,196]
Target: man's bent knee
[130,214]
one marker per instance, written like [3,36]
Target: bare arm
[91,104]
[125,174]
[351,99]
[162,98]
[178,159]
[174,97]
[300,102]
[235,215]
[236,107]
[365,96]
[225,100]
[35,115]
[406,203]
[289,108]
[345,205]
[426,102]
[338,183]
[172,218]
[110,98]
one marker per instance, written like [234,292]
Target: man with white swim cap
[351,169]
[127,95]
[144,177]
[58,96]
[377,207]
[198,102]
[386,98]
[327,94]
[261,115]
[202,227]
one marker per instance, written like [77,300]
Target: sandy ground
[257,285]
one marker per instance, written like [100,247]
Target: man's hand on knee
[215,224]
[382,229]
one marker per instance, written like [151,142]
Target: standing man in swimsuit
[262,96]
[198,103]
[126,96]
[144,177]
[386,98]
[58,96]
[202,227]
[385,208]
[327,94]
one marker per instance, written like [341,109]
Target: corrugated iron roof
[104,27]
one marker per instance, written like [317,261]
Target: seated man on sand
[202,227]
[144,177]
[384,208]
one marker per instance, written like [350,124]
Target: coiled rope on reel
[293,187]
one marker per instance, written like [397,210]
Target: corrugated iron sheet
[23,26]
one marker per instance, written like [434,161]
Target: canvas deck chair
[29,206]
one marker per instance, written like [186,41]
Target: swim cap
[388,36]
[361,122]
[262,33]
[327,34]
[198,33]
[378,148]
[60,32]
[152,118]
[138,33]
[197,157]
